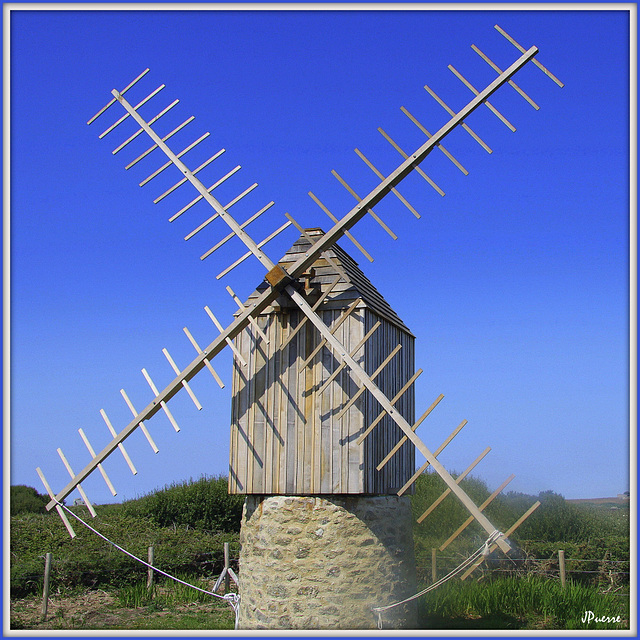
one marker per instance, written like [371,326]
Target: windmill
[292,285]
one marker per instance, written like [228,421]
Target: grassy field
[95,587]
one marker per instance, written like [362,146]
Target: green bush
[203,504]
[25,499]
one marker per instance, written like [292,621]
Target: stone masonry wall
[320,563]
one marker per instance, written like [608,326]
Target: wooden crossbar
[395,399]
[86,500]
[418,170]
[258,247]
[188,148]
[482,507]
[113,100]
[380,175]
[126,115]
[123,451]
[476,92]
[163,404]
[207,363]
[339,322]
[227,339]
[402,440]
[200,197]
[164,139]
[437,452]
[363,388]
[226,208]
[55,504]
[103,473]
[374,215]
[464,125]
[252,321]
[458,480]
[141,130]
[426,133]
[348,234]
[511,83]
[206,163]
[185,384]
[144,429]
[507,533]
[228,237]
[521,49]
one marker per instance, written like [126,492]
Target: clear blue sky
[516,283]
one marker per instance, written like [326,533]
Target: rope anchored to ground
[481,551]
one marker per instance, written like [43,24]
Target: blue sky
[516,283]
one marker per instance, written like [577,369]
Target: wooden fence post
[150,556]
[227,577]
[433,565]
[563,575]
[45,588]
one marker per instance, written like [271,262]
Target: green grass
[167,593]
[519,603]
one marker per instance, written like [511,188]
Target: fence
[227,575]
[611,575]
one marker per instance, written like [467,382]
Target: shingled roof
[322,274]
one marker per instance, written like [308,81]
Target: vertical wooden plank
[236,480]
[277,392]
[326,429]
[370,408]
[285,403]
[333,393]
[306,337]
[251,409]
[259,415]
[355,415]
[269,424]
[245,410]
[292,405]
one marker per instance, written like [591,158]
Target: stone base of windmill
[321,563]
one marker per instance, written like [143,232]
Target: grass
[170,594]
[519,603]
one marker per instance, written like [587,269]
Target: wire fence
[611,576]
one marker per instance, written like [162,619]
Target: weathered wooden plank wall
[285,437]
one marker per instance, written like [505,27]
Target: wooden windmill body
[294,426]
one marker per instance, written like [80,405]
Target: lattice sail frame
[280,282]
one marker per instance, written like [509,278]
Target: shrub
[203,504]
[25,499]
